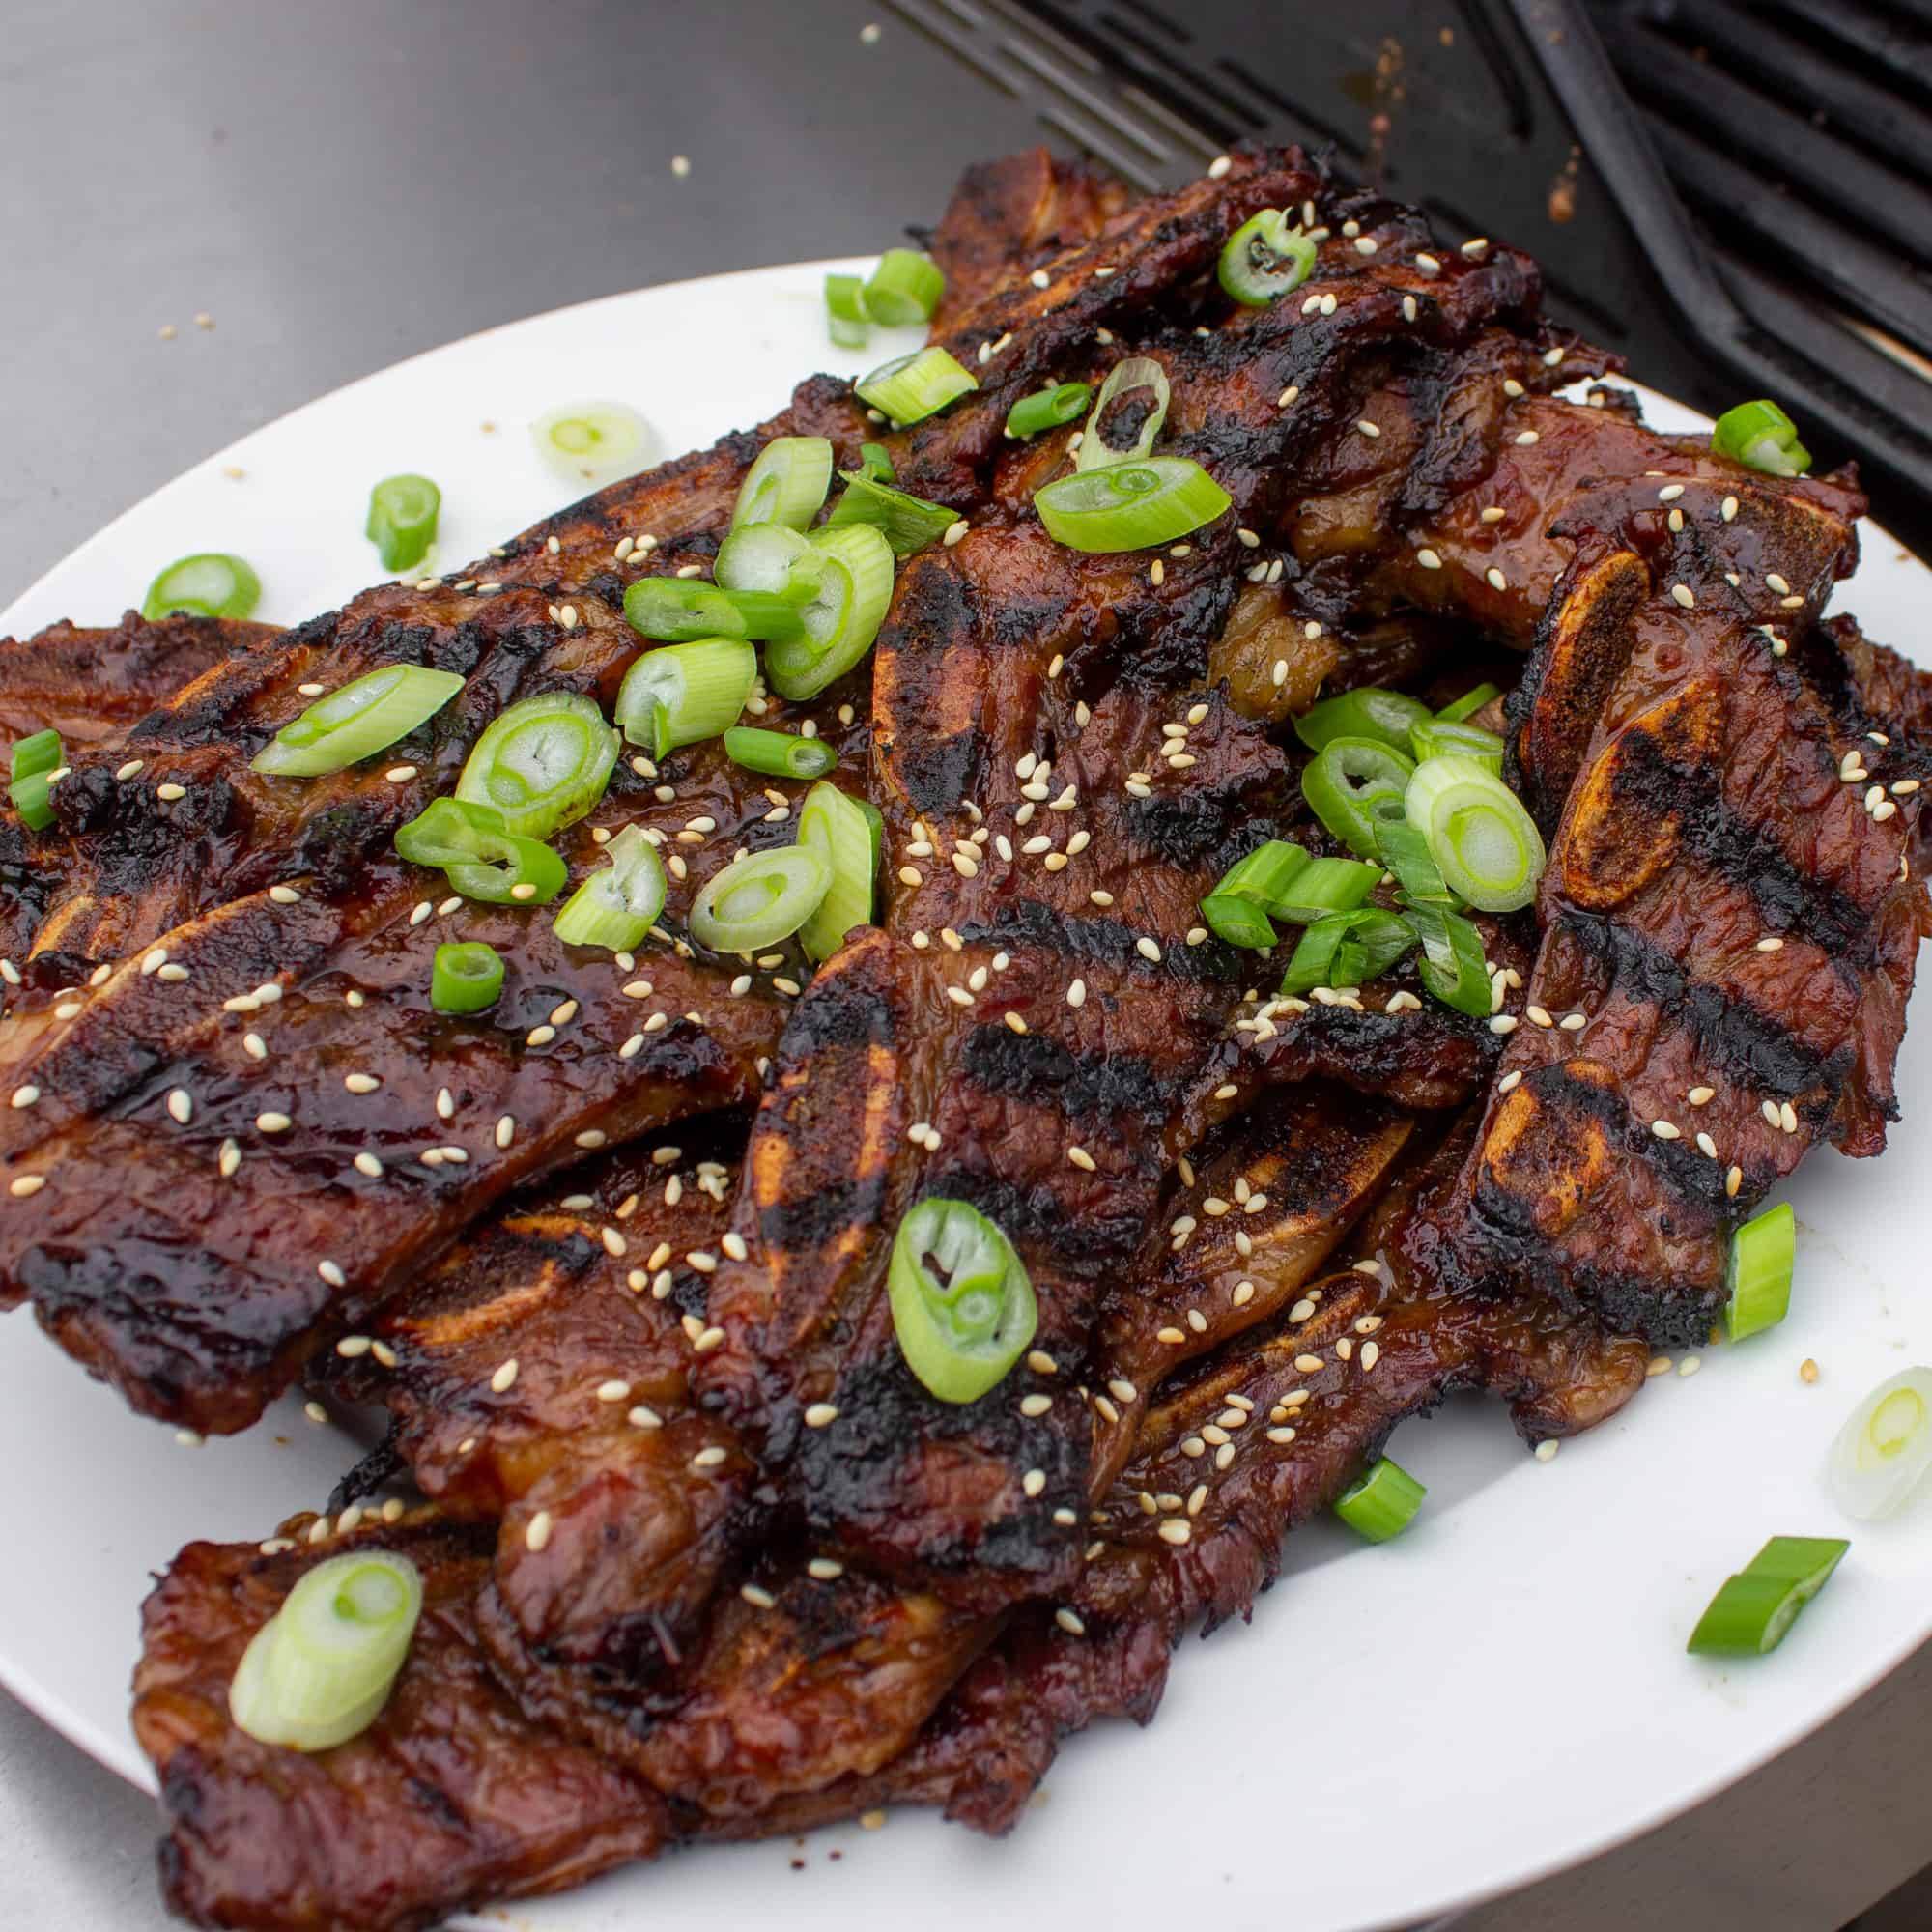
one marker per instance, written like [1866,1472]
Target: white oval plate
[1502,1693]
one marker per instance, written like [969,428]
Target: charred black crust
[1735,1037]
[1084,1087]
[1033,926]
[1036,1218]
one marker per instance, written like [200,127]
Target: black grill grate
[1793,257]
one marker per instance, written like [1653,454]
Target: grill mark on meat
[1737,1039]
[1085,1086]
[1093,939]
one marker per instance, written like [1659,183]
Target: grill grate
[1793,257]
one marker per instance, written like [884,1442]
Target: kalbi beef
[1729,920]
[707,1556]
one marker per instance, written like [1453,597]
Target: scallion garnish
[1405,852]
[847,832]
[362,717]
[33,757]
[675,609]
[617,906]
[845,317]
[1761,437]
[786,483]
[1237,909]
[1352,786]
[875,462]
[593,442]
[1442,737]
[1469,703]
[760,899]
[1381,1501]
[912,387]
[909,523]
[543,763]
[210,585]
[466,977]
[1762,1252]
[778,754]
[1750,1614]
[1453,966]
[842,621]
[1264,258]
[1368,713]
[1885,1447]
[1049,408]
[904,288]
[962,1302]
[481,858]
[401,524]
[1486,845]
[1130,505]
[320,1671]
[768,560]
[1347,949]
[686,692]
[1126,416]
[1323,886]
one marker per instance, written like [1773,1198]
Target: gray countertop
[337,186]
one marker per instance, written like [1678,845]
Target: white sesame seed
[168,793]
[272,1123]
[1496,580]
[1683,594]
[1503,1023]
[181,1105]
[1546,1450]
[1666,1130]
[25,1095]
[331,1273]
[1772,945]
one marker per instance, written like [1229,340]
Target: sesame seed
[181,1105]
[168,793]
[1081,1159]
[1546,1450]
[26,1185]
[228,1159]
[1733,1181]
[399,773]
[1683,594]
[1496,580]
[1502,1023]
[1509,1082]
[536,1535]
[709,1458]
[820,1415]
[273,1123]
[1176,1533]
[1666,1130]
[367,1164]
[1034,1482]
[131,769]
[331,1273]
[1367,427]
[1429,559]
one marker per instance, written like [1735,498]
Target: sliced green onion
[1130,505]
[1347,949]
[1885,1447]
[1454,963]
[686,692]
[876,462]
[909,523]
[617,906]
[1048,409]
[778,754]
[466,977]
[211,584]
[1239,921]
[675,609]
[787,484]
[962,1302]
[1369,713]
[320,1671]
[593,442]
[1124,421]
[760,899]
[1264,258]
[1469,703]
[1237,909]
[846,314]
[1485,844]
[1440,738]
[1354,784]
[1381,1501]
[364,716]
[1323,886]
[1405,852]
[1761,437]
[479,856]
[1762,1252]
[1750,1614]
[842,622]
[914,386]
[543,763]
[402,519]
[904,288]
[848,834]
[33,757]
[768,560]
